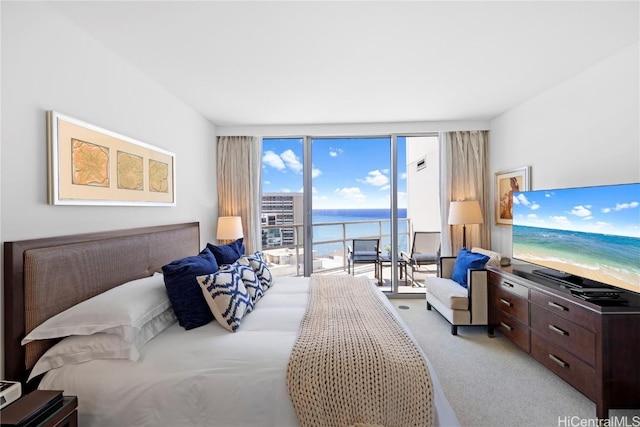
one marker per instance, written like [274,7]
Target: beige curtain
[239,184]
[465,176]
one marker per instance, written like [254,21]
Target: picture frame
[506,183]
[89,165]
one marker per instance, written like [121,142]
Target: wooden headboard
[43,277]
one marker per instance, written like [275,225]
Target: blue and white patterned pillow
[226,296]
[259,265]
[249,278]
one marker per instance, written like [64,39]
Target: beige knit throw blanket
[353,364]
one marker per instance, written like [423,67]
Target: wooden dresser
[595,348]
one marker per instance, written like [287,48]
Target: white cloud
[621,206]
[335,152]
[287,159]
[272,159]
[351,193]
[291,160]
[376,178]
[581,211]
[403,175]
[521,199]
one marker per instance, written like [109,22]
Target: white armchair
[459,305]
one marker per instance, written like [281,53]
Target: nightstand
[41,408]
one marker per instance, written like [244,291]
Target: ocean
[379,223]
[604,258]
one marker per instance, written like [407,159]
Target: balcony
[284,250]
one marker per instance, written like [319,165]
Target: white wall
[584,131]
[423,191]
[48,63]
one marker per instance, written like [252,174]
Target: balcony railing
[283,244]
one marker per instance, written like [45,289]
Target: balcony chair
[457,304]
[425,251]
[363,251]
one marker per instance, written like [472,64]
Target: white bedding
[207,376]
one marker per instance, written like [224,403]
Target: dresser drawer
[565,309]
[510,303]
[565,365]
[512,329]
[512,287]
[563,333]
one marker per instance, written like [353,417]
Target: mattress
[207,376]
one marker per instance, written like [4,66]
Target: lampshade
[465,212]
[229,228]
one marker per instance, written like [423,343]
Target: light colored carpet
[491,382]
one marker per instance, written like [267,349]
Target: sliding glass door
[321,194]
[282,205]
[419,202]
[350,200]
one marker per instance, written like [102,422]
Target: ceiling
[301,62]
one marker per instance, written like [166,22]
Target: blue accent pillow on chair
[184,291]
[229,253]
[464,261]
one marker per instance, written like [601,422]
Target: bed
[201,376]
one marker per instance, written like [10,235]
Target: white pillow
[494,257]
[84,348]
[121,311]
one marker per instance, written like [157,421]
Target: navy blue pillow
[466,260]
[229,253]
[184,291]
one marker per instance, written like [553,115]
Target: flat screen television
[581,233]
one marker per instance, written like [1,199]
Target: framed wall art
[508,182]
[89,165]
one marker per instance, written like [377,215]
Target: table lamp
[229,228]
[465,212]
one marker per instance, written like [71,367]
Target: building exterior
[280,209]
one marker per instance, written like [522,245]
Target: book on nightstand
[31,408]
[10,391]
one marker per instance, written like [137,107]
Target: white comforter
[206,376]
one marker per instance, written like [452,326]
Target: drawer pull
[507,327]
[558,306]
[558,330]
[558,361]
[507,284]
[505,302]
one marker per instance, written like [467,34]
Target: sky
[348,173]
[612,209]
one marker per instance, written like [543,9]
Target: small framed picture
[507,183]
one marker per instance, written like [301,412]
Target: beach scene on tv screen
[591,232]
